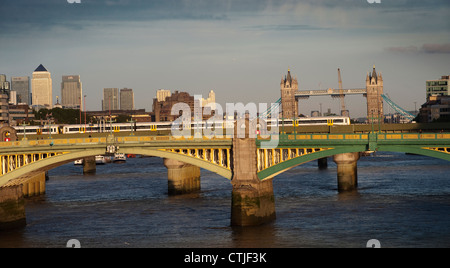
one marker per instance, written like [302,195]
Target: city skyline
[238,48]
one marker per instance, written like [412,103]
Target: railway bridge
[248,165]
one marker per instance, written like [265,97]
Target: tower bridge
[373,91]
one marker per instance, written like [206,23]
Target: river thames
[402,201]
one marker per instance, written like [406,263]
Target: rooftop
[41,68]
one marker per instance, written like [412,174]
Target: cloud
[426,48]
[407,49]
[326,13]
[436,48]
[25,16]
[285,27]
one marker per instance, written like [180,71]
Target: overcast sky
[238,48]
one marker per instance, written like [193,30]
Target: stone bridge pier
[12,208]
[182,178]
[347,171]
[253,201]
[89,165]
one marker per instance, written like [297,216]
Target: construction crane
[341,94]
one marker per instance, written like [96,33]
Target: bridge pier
[89,165]
[34,186]
[253,201]
[12,208]
[182,178]
[347,171]
[322,163]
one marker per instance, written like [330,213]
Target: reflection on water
[402,200]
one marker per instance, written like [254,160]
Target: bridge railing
[102,140]
[359,139]
[380,136]
[334,138]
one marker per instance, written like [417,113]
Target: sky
[238,48]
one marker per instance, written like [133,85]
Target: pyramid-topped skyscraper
[42,88]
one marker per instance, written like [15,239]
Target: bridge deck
[330,92]
[156,142]
[215,154]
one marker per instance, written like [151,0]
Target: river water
[402,201]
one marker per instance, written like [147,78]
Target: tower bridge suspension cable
[397,108]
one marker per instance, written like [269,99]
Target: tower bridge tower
[289,104]
[374,86]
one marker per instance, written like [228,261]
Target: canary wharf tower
[41,85]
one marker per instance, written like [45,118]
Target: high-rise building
[41,85]
[374,85]
[71,92]
[4,84]
[110,99]
[12,97]
[2,81]
[210,100]
[4,114]
[163,109]
[126,99]
[289,105]
[438,87]
[4,87]
[21,85]
[162,94]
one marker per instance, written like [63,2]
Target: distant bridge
[304,94]
[374,92]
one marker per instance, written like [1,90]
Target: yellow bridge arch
[19,160]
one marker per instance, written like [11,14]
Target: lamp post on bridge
[84,107]
[133,129]
[24,130]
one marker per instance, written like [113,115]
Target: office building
[4,98]
[211,100]
[4,114]
[71,92]
[162,110]
[438,87]
[110,99]
[21,85]
[19,114]
[42,89]
[12,98]
[126,99]
[162,94]
[437,108]
[4,84]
